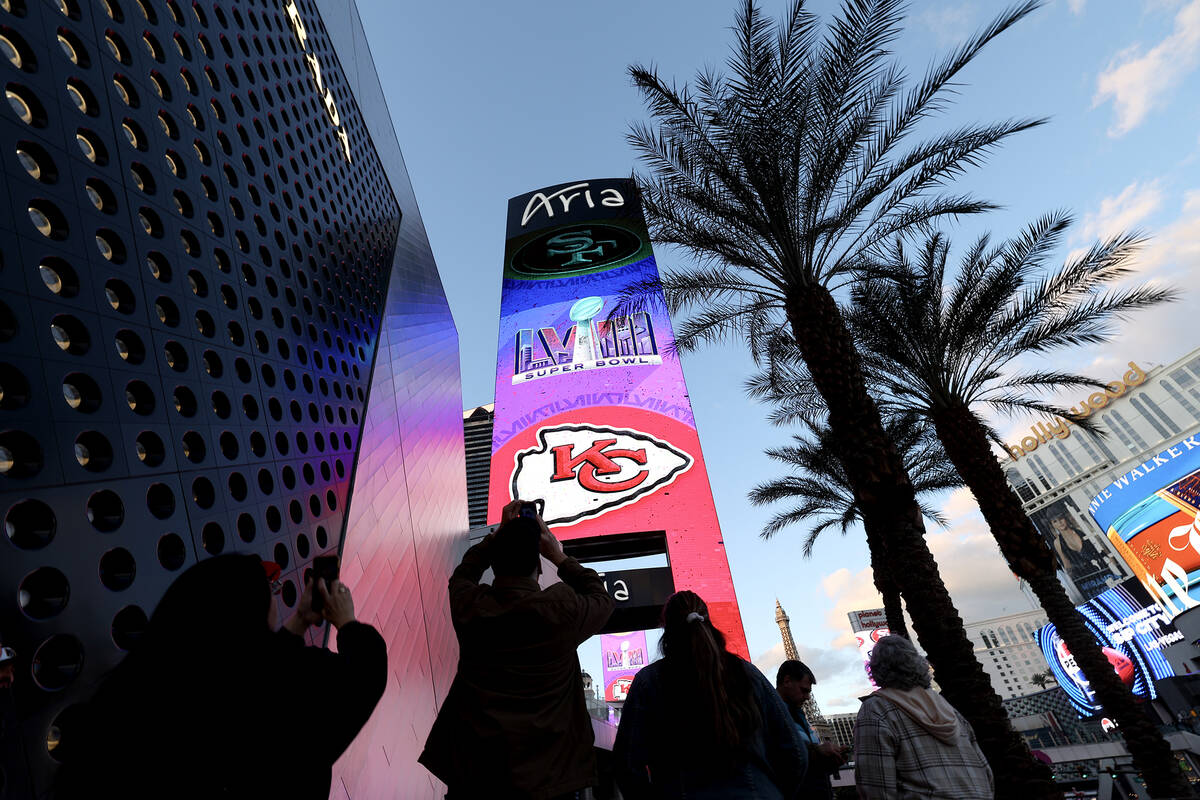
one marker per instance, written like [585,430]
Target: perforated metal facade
[221,328]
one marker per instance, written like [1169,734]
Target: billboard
[592,413]
[1081,553]
[1150,516]
[622,654]
[1131,629]
[869,626]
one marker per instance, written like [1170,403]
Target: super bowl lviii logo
[583,471]
[588,341]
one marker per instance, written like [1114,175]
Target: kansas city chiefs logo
[583,471]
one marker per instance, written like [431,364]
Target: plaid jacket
[897,759]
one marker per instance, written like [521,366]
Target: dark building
[477,437]
[221,329]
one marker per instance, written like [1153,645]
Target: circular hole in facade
[220,405]
[166,311]
[48,220]
[57,661]
[212,364]
[203,493]
[266,482]
[212,539]
[238,488]
[280,554]
[34,159]
[175,356]
[105,510]
[302,546]
[229,445]
[288,593]
[59,277]
[30,524]
[93,451]
[129,347]
[128,626]
[246,529]
[20,454]
[274,519]
[149,448]
[194,449]
[258,444]
[140,398]
[119,296]
[43,593]
[61,735]
[14,388]
[185,401]
[314,505]
[70,335]
[172,552]
[160,500]
[23,103]
[81,392]
[117,569]
[281,443]
[322,537]
[288,476]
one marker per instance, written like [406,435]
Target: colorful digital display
[1132,630]
[623,655]
[592,413]
[1150,517]
[1079,547]
[869,626]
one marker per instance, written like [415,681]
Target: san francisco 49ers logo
[582,471]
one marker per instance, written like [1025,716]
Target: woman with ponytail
[703,723]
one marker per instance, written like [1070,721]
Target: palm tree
[779,177]
[950,352]
[822,496]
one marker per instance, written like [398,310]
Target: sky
[491,100]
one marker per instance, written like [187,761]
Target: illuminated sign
[1131,631]
[592,414]
[1043,432]
[623,655]
[1150,516]
[869,626]
[314,68]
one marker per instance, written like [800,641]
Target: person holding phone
[217,700]
[794,682]
[515,723]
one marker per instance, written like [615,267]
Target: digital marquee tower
[221,330]
[592,414]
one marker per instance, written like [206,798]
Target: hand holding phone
[323,568]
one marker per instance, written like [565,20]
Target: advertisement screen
[869,626]
[592,412]
[622,654]
[1080,548]
[1150,516]
[1132,630]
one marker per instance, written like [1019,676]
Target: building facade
[221,330]
[1058,468]
[1008,650]
[842,726]
[477,437]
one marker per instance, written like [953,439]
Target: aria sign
[314,66]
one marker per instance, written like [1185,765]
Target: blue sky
[490,100]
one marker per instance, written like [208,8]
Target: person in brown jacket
[514,724]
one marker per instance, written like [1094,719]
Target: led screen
[1150,517]
[624,654]
[592,412]
[1131,629]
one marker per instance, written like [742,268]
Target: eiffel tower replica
[812,711]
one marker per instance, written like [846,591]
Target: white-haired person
[909,742]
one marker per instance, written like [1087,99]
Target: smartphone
[326,568]
[533,508]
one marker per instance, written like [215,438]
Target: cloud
[1076,6]
[950,24]
[1123,211]
[1137,82]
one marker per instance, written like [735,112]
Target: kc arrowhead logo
[583,471]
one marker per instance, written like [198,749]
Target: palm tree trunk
[888,503]
[885,582]
[969,448]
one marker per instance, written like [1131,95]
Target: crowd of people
[196,705]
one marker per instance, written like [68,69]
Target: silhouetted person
[514,724]
[794,681]
[213,702]
[909,742]
[702,723]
